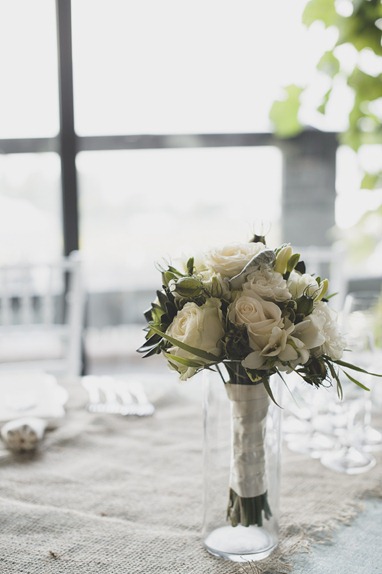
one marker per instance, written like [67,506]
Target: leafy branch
[361,30]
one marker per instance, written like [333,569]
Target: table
[108,494]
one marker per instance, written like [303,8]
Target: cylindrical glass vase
[242,449]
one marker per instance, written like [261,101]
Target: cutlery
[107,395]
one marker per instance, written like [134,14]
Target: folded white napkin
[24,434]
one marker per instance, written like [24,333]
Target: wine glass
[351,418]
[304,409]
[363,313]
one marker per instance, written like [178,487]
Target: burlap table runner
[111,495]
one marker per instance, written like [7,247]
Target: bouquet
[255,312]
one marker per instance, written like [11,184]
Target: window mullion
[67,136]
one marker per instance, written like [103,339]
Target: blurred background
[142,131]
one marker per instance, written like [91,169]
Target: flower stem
[248,511]
[248,499]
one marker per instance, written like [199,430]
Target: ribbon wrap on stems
[248,502]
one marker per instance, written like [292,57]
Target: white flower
[334,342]
[282,258]
[231,259]
[276,346]
[305,284]
[199,327]
[268,285]
[258,315]
[302,338]
[281,346]
[317,334]
[310,331]
[295,353]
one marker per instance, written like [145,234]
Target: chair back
[41,316]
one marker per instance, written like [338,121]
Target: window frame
[67,144]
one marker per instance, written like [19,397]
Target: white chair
[41,316]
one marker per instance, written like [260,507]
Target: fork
[107,395]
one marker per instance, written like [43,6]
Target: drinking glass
[305,427]
[351,417]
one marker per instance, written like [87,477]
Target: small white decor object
[30,403]
[31,394]
[25,434]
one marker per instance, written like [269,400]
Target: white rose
[231,259]
[268,285]
[305,284]
[199,327]
[258,315]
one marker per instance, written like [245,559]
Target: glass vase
[242,449]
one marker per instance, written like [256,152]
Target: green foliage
[363,238]
[329,64]
[323,10]
[284,113]
[361,29]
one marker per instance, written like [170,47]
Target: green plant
[358,25]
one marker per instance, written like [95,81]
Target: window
[164,132]
[30,208]
[141,206]
[184,67]
[28,69]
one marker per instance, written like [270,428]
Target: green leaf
[293,262]
[323,10]
[327,297]
[190,266]
[355,368]
[300,267]
[156,313]
[371,180]
[360,30]
[148,314]
[153,351]
[335,376]
[183,361]
[366,86]
[150,342]
[329,64]
[322,107]
[353,380]
[175,271]
[340,391]
[162,298]
[284,113]
[193,350]
[269,391]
